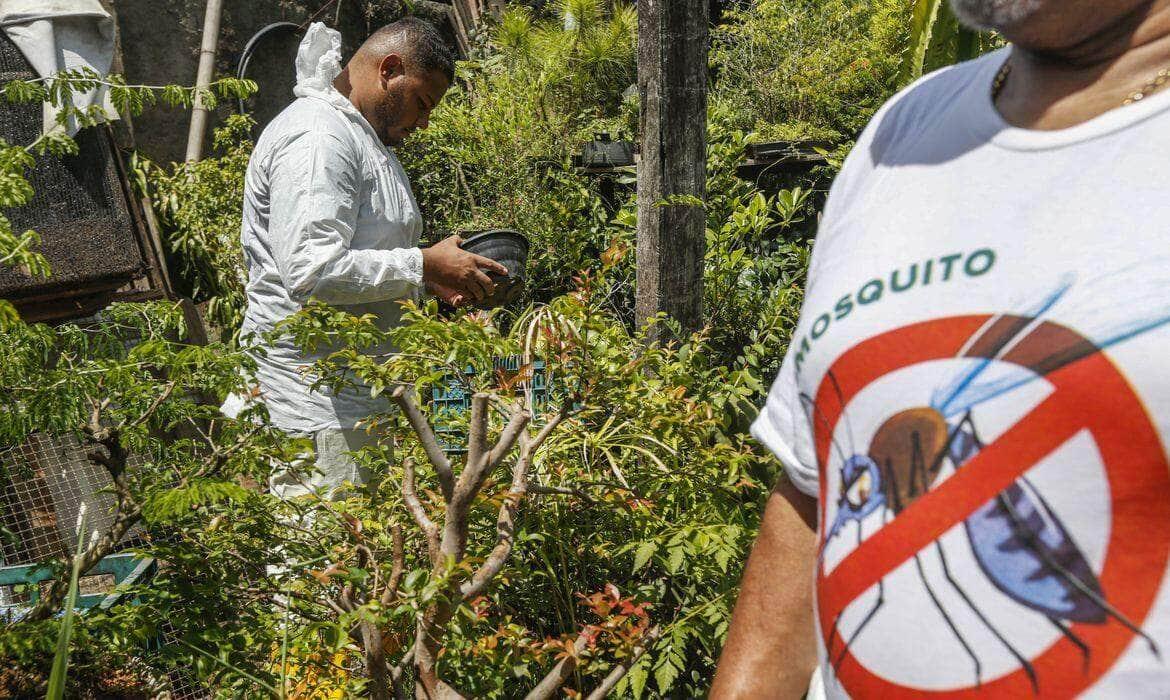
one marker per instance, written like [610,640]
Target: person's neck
[1058,89]
[344,85]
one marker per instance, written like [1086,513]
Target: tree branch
[505,527]
[505,522]
[624,667]
[556,677]
[476,439]
[397,568]
[463,183]
[381,682]
[553,423]
[516,425]
[560,491]
[218,457]
[479,465]
[431,624]
[403,397]
[410,498]
[397,671]
[158,401]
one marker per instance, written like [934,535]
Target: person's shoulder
[912,119]
[307,123]
[934,91]
[929,101]
[306,115]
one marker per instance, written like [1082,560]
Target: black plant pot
[604,153]
[510,249]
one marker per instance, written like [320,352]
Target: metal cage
[92,231]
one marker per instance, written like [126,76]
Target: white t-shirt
[977,392]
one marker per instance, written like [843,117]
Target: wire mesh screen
[78,207]
[44,482]
[183,687]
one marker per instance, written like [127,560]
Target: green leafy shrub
[798,69]
[641,489]
[200,207]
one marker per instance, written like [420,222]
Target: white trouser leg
[327,476]
[334,466]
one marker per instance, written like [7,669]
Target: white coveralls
[328,213]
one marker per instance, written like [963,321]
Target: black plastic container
[777,150]
[510,249]
[603,152]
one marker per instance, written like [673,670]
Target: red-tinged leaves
[615,254]
[613,592]
[481,606]
[353,525]
[628,608]
[326,577]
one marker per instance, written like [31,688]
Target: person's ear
[391,67]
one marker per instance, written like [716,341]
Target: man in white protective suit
[329,214]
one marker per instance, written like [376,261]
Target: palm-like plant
[587,57]
[937,39]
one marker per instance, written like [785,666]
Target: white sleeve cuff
[804,479]
[414,266]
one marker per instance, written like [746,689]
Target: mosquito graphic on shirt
[1017,539]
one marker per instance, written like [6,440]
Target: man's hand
[447,294]
[448,269]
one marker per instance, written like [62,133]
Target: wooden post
[199,114]
[496,8]
[672,82]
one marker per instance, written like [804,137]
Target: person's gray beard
[993,14]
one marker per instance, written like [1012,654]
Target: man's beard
[388,112]
[994,14]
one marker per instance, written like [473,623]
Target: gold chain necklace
[1152,85]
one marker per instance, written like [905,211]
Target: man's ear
[391,67]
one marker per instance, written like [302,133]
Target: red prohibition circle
[1090,394]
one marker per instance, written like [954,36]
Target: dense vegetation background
[639,502]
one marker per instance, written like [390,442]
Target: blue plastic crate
[100,587]
[451,399]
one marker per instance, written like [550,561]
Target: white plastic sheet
[57,35]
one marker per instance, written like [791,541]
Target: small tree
[503,430]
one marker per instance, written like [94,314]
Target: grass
[61,655]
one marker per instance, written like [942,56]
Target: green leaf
[723,558]
[174,503]
[643,554]
[666,673]
[921,30]
[639,674]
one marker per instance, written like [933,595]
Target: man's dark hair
[418,41]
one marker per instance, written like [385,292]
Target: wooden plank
[672,82]
[461,35]
[97,587]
